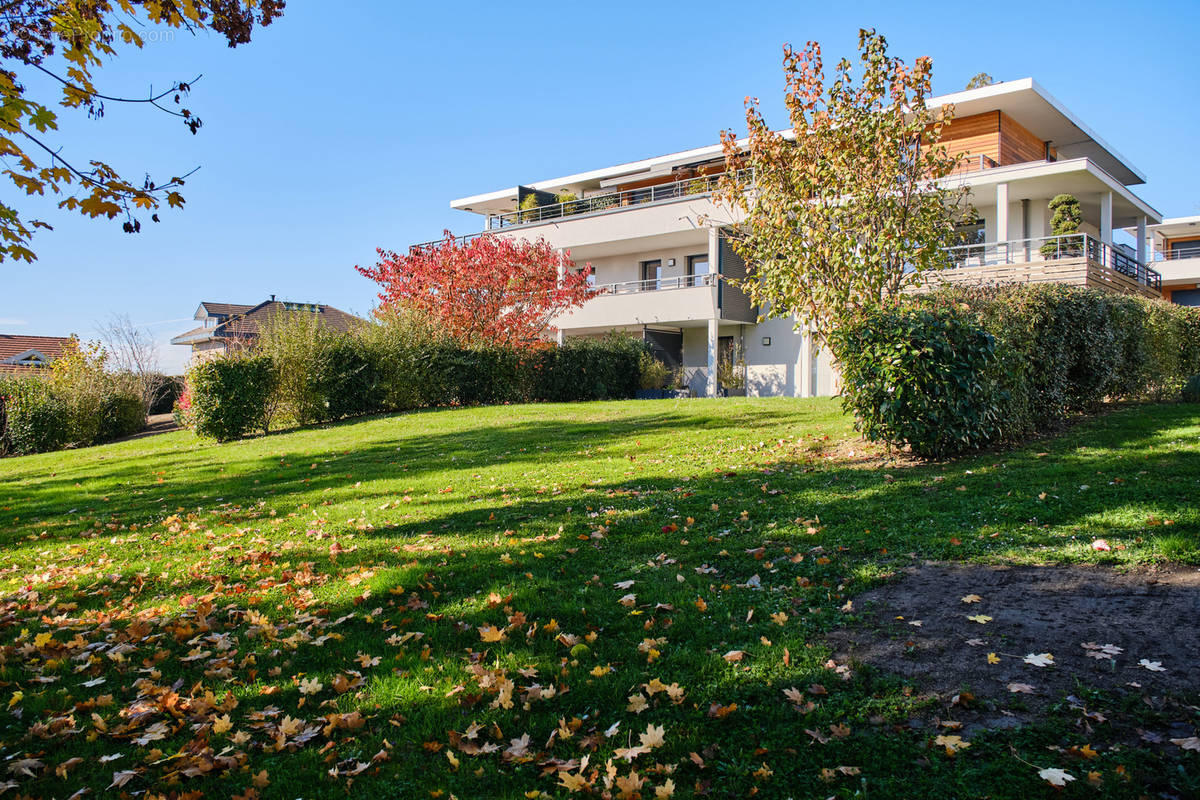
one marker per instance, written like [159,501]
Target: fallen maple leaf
[653,737]
[982,619]
[1190,743]
[1153,666]
[972,598]
[952,744]
[1022,688]
[488,633]
[1039,659]
[734,655]
[1055,776]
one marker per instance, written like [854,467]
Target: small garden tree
[491,290]
[846,209]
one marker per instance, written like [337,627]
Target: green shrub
[295,343]
[121,414]
[231,395]
[346,378]
[32,418]
[1058,350]
[588,369]
[652,373]
[920,377]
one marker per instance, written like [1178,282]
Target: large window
[697,269]
[1186,249]
[651,275]
[970,238]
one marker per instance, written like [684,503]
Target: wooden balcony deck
[1071,271]
[1074,260]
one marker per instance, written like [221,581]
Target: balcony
[612,201]
[1076,259]
[662,301]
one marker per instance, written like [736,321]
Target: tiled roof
[13,345]
[225,309]
[246,325]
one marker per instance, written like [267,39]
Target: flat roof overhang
[1023,100]
[1078,176]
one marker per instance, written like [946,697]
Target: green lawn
[471,602]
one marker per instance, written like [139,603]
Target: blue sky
[350,126]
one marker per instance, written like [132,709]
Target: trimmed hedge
[354,374]
[32,419]
[1058,350]
[230,395]
[37,418]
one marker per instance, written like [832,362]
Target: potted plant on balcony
[529,206]
[1065,219]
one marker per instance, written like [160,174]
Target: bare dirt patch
[1152,614]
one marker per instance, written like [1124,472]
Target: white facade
[651,233]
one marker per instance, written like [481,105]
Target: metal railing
[416,248]
[1174,255]
[611,201]
[973,163]
[657,284]
[1052,248]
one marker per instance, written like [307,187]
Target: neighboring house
[29,353]
[1176,254]
[654,236]
[231,326]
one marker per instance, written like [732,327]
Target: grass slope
[471,602]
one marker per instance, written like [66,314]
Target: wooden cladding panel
[976,135]
[1017,144]
[1072,272]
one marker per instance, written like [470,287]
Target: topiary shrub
[230,395]
[920,377]
[1066,215]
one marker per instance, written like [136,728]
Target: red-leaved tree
[490,289]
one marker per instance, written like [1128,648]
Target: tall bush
[295,344]
[230,395]
[920,377]
[32,418]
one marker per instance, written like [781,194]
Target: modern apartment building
[653,235]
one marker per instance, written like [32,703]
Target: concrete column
[1002,221]
[1142,252]
[714,255]
[712,357]
[1106,200]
